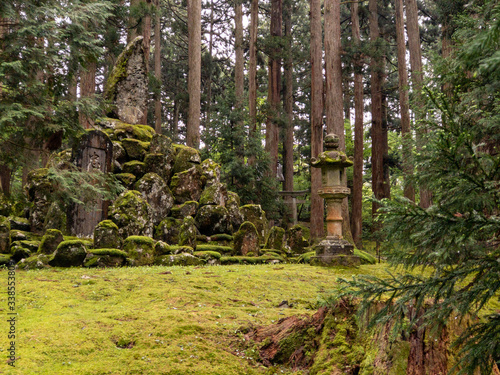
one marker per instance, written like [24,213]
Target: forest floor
[155,320]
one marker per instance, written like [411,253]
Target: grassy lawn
[153,320]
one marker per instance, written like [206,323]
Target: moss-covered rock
[159,164]
[131,214]
[50,240]
[276,238]
[140,250]
[216,248]
[215,194]
[185,158]
[233,209]
[127,84]
[250,260]
[39,190]
[168,230]
[35,262]
[19,252]
[30,245]
[119,156]
[162,248]
[366,258]
[188,208]
[187,185]
[118,130]
[135,149]
[246,239]
[256,215]
[5,238]
[211,172]
[69,254]
[107,235]
[306,257]
[210,257]
[183,259]
[127,179]
[213,220]
[19,235]
[135,167]
[156,192]
[19,223]
[297,239]
[188,232]
[5,259]
[56,217]
[105,258]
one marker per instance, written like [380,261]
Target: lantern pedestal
[333,250]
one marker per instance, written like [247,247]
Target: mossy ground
[176,320]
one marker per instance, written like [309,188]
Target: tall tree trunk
[317,205]
[157,57]
[5,171]
[334,104]
[377,67]
[239,81]
[288,143]
[357,189]
[133,31]
[417,76]
[87,88]
[146,32]
[210,72]
[409,191]
[194,75]
[252,72]
[272,129]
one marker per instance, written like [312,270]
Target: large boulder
[187,185]
[118,130]
[156,192]
[215,194]
[107,235]
[105,258]
[127,85]
[185,158]
[256,215]
[135,149]
[161,158]
[134,167]
[276,238]
[211,171]
[69,254]
[246,239]
[188,208]
[297,239]
[168,230]
[213,219]
[50,241]
[56,217]
[140,250]
[4,235]
[130,212]
[233,209]
[188,232]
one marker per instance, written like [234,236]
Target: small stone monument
[333,250]
[93,153]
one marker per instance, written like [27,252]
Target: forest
[250,89]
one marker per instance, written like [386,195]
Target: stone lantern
[333,250]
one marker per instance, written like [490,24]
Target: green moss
[183,259]
[306,257]
[35,262]
[216,248]
[135,167]
[111,252]
[139,240]
[119,71]
[32,246]
[185,158]
[249,260]
[69,254]
[168,230]
[5,259]
[136,149]
[206,255]
[5,235]
[221,237]
[50,240]
[140,250]
[187,208]
[275,238]
[70,243]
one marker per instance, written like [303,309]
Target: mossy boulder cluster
[174,209]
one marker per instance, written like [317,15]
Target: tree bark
[5,171]
[146,32]
[208,117]
[252,72]
[87,88]
[194,75]
[378,149]
[409,191]
[157,57]
[274,97]
[317,205]
[357,189]
[417,76]
[288,143]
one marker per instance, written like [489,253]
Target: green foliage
[451,250]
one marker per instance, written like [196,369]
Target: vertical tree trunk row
[252,72]
[157,58]
[239,80]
